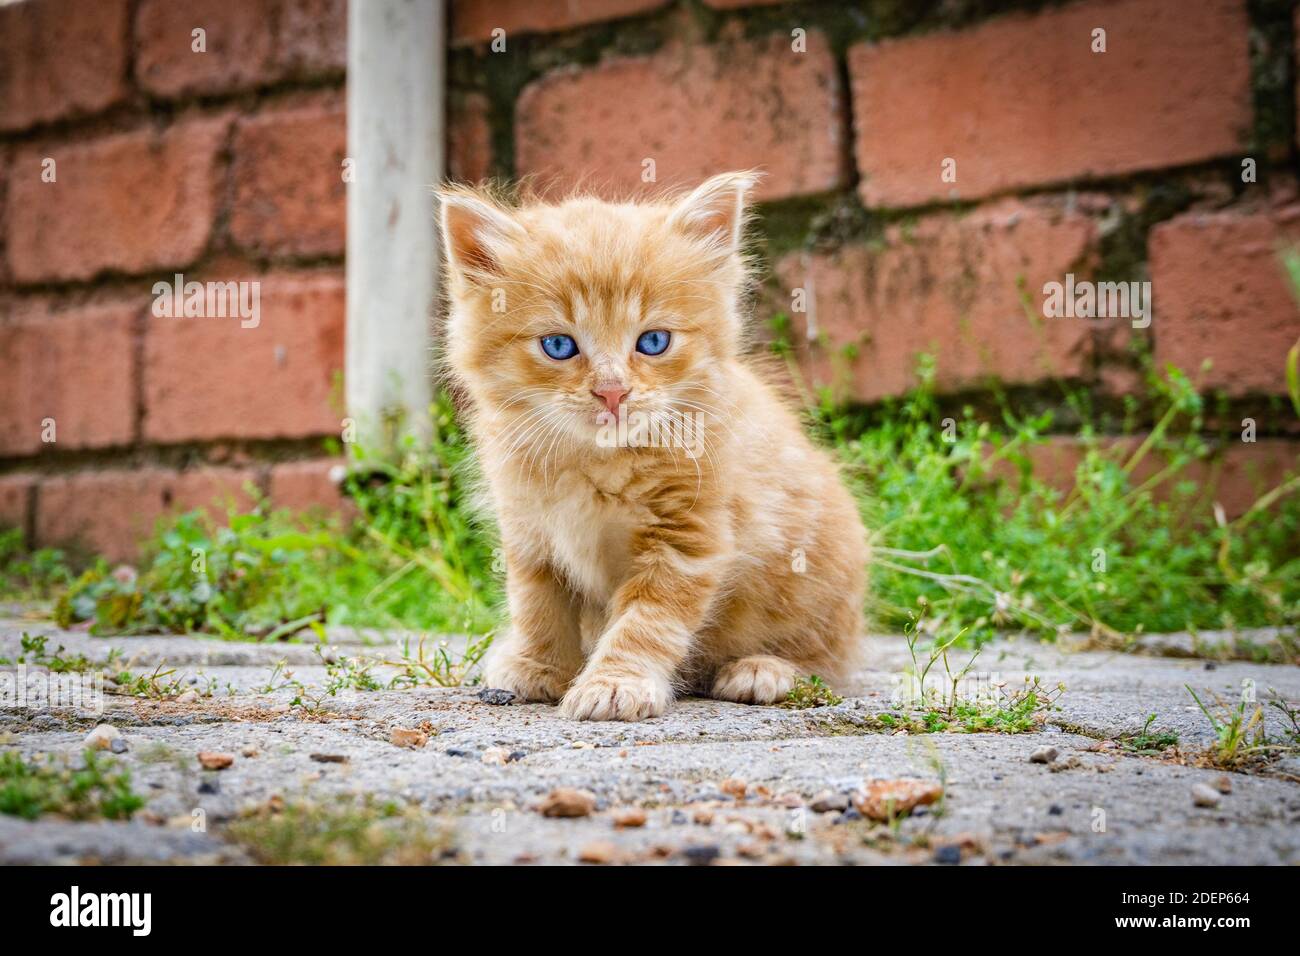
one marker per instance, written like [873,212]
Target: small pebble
[515,755]
[679,818]
[496,696]
[701,855]
[248,751]
[848,816]
[189,697]
[567,802]
[601,851]
[1223,783]
[949,854]
[209,787]
[829,802]
[215,761]
[329,758]
[496,755]
[1204,795]
[102,737]
[734,787]
[1055,810]
[1044,755]
[458,752]
[118,746]
[408,737]
[629,817]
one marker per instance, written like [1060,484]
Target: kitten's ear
[716,209]
[473,231]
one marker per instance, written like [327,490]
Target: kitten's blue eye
[653,342]
[559,346]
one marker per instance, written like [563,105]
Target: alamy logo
[1098,300]
[209,300]
[639,430]
[103,909]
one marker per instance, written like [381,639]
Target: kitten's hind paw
[755,680]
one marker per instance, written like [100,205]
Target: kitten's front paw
[599,697]
[526,679]
[755,680]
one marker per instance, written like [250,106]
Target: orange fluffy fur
[635,569]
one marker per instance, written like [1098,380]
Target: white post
[395,141]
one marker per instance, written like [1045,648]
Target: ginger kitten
[666,523]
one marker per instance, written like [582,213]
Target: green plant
[159,684]
[349,673]
[34,651]
[345,832]
[1146,742]
[29,789]
[414,557]
[30,575]
[924,708]
[1241,738]
[440,667]
[810,691]
[962,520]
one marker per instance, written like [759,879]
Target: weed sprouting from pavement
[342,832]
[810,691]
[1147,742]
[30,789]
[1242,740]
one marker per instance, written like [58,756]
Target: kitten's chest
[588,532]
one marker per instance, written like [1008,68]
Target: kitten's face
[564,317]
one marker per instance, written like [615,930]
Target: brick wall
[225,166]
[1122,165]
[222,165]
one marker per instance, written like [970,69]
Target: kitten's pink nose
[611,395]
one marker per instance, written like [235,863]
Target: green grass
[414,559]
[963,528]
[944,704]
[93,789]
[341,833]
[963,525]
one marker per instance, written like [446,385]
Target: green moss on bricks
[1123,250]
[1272,79]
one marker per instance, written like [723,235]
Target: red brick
[250,43]
[946,286]
[129,202]
[1022,100]
[310,485]
[208,378]
[469,139]
[474,20]
[61,58]
[290,197]
[1220,292]
[15,501]
[695,111]
[240,46]
[1235,475]
[75,366]
[312,37]
[111,512]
